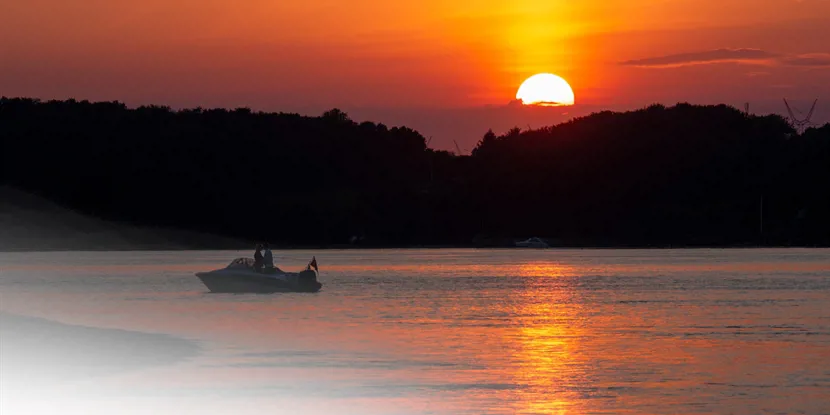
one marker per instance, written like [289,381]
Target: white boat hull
[532,243]
[242,279]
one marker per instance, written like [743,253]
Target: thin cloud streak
[751,56]
[740,56]
[813,60]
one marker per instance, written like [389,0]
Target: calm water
[456,331]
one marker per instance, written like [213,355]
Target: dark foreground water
[422,332]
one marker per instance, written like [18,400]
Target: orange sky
[311,55]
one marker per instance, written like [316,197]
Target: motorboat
[532,243]
[240,276]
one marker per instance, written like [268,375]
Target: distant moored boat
[532,243]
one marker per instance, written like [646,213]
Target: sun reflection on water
[546,269]
[546,343]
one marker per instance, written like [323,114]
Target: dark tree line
[685,175]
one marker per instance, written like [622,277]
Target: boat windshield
[242,263]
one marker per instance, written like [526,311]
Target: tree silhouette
[681,175]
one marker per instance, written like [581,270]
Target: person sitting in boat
[269,259]
[258,258]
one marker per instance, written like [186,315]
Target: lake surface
[720,331]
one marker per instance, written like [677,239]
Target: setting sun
[545,89]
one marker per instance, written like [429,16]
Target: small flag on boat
[313,263]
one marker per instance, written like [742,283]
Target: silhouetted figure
[258,258]
[269,259]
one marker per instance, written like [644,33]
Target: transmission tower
[460,153]
[800,125]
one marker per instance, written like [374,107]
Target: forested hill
[684,175]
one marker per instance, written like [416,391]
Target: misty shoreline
[39,351]
[47,365]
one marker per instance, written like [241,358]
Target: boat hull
[238,283]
